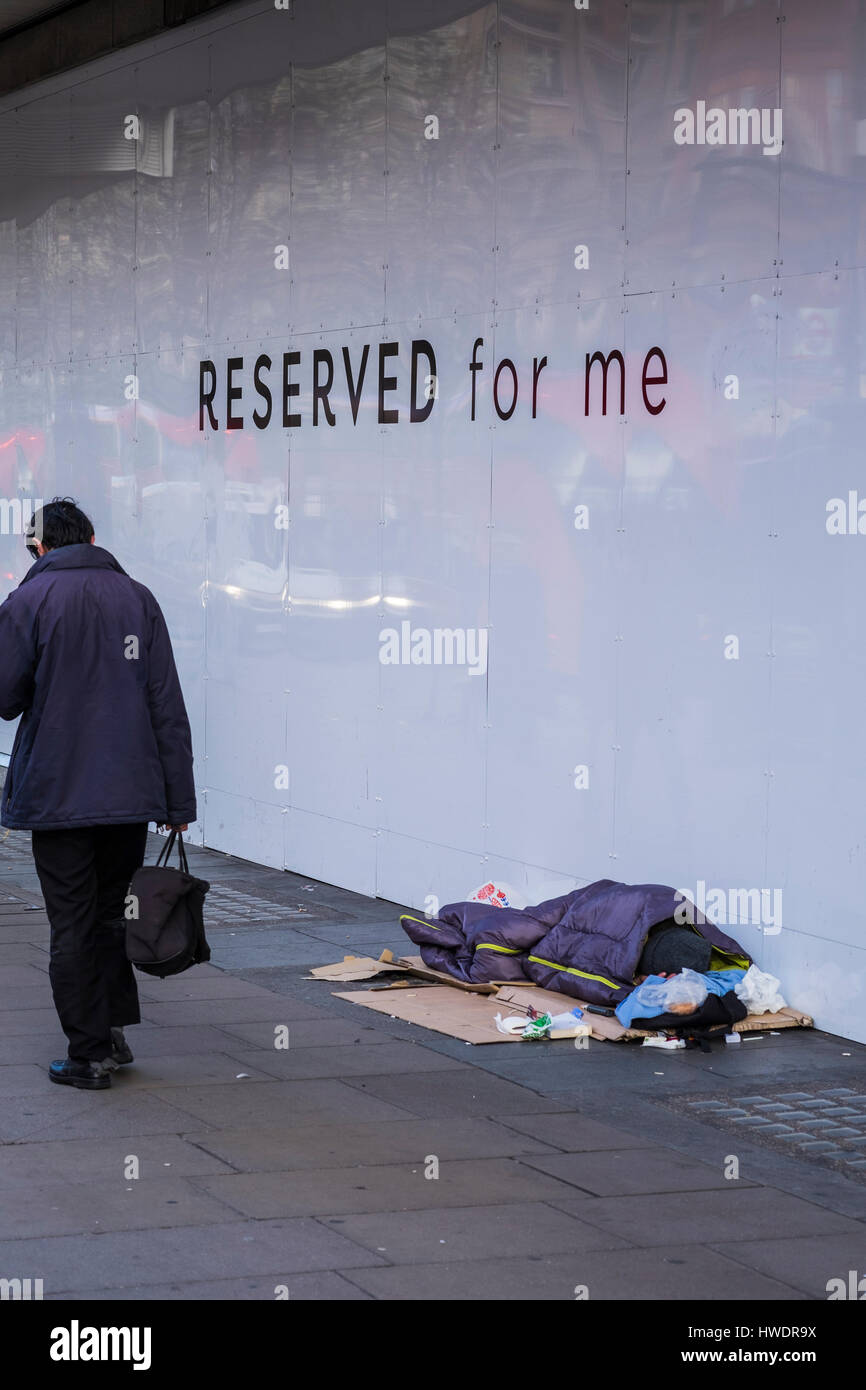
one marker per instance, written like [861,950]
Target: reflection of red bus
[21,456]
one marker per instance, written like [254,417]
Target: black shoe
[87,1076]
[120,1049]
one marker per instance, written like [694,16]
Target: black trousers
[85,876]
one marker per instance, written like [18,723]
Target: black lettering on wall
[290,388]
[505,363]
[321,389]
[355,391]
[264,419]
[646,381]
[233,393]
[475,366]
[614,356]
[537,369]
[205,398]
[387,383]
[418,413]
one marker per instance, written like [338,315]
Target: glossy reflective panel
[673,663]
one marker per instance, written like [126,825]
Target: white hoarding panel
[479,388]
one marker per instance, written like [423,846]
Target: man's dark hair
[60,522]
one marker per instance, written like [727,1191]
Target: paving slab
[216,985]
[356,1059]
[330,1032]
[101,1161]
[20,1079]
[573,1132]
[824,1062]
[304,954]
[666,1273]
[13,1022]
[26,877]
[23,998]
[326,1287]
[23,975]
[24,953]
[287,944]
[199,1068]
[58,1208]
[61,1112]
[273,1102]
[349,934]
[196,972]
[606,1173]
[509,1232]
[273,1009]
[230,1249]
[471,1093]
[345,1145]
[752,1213]
[391,1188]
[557,1068]
[154,1040]
[660,1086]
[600,1062]
[39,1048]
[807,1263]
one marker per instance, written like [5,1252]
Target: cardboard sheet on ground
[468,1013]
[366,968]
[357,968]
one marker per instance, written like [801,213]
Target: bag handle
[165,852]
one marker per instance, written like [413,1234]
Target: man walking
[103,748]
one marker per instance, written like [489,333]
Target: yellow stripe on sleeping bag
[584,975]
[506,950]
[721,960]
[407,918]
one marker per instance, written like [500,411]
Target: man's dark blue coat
[86,660]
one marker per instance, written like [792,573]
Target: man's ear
[93,540]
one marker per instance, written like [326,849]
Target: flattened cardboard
[356,968]
[468,1015]
[366,968]
[785,1018]
[461,1014]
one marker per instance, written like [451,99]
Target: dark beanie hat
[671,948]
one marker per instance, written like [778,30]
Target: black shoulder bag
[165,915]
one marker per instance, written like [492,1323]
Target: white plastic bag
[761,993]
[515,1024]
[688,987]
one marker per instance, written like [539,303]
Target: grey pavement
[372,1159]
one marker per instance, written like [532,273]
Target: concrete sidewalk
[312,1167]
